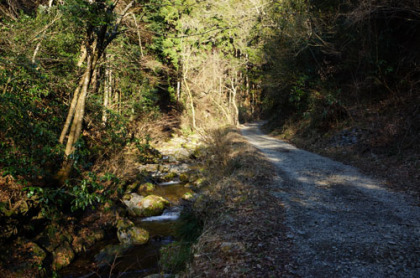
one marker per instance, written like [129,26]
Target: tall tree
[101,27]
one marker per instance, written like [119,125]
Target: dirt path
[342,223]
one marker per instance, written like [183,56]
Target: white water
[170,214]
[174,182]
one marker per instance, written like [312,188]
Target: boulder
[62,256]
[169,176]
[149,167]
[132,187]
[184,177]
[151,205]
[22,257]
[182,154]
[85,238]
[188,196]
[146,188]
[128,233]
[37,254]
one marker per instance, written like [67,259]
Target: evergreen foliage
[217,62]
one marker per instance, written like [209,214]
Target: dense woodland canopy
[79,77]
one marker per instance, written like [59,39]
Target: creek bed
[137,260]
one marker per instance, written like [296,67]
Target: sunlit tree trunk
[72,109]
[235,106]
[185,69]
[191,103]
[138,34]
[95,45]
[107,91]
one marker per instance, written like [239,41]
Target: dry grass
[243,232]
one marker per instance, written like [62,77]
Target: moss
[174,257]
[133,235]
[62,256]
[139,235]
[132,187]
[170,176]
[199,182]
[188,196]
[184,177]
[126,197]
[124,223]
[146,188]
[150,206]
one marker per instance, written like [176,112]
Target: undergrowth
[175,256]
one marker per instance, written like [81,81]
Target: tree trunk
[76,127]
[235,107]
[72,109]
[191,103]
[178,90]
[107,91]
[138,34]
[95,45]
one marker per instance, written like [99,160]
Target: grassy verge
[243,234]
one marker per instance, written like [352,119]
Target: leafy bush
[88,193]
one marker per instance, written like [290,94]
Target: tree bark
[72,109]
[138,35]
[191,103]
[95,45]
[76,126]
[233,101]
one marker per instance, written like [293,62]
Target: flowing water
[134,261]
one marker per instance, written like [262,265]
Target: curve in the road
[342,223]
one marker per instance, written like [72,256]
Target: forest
[91,89]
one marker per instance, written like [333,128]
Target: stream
[136,260]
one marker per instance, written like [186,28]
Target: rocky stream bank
[121,238]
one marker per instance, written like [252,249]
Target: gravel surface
[341,223]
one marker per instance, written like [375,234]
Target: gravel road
[341,222]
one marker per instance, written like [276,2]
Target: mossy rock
[188,196]
[85,238]
[22,257]
[62,256]
[151,205]
[37,254]
[146,188]
[199,182]
[132,187]
[126,197]
[170,176]
[124,224]
[133,235]
[184,177]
